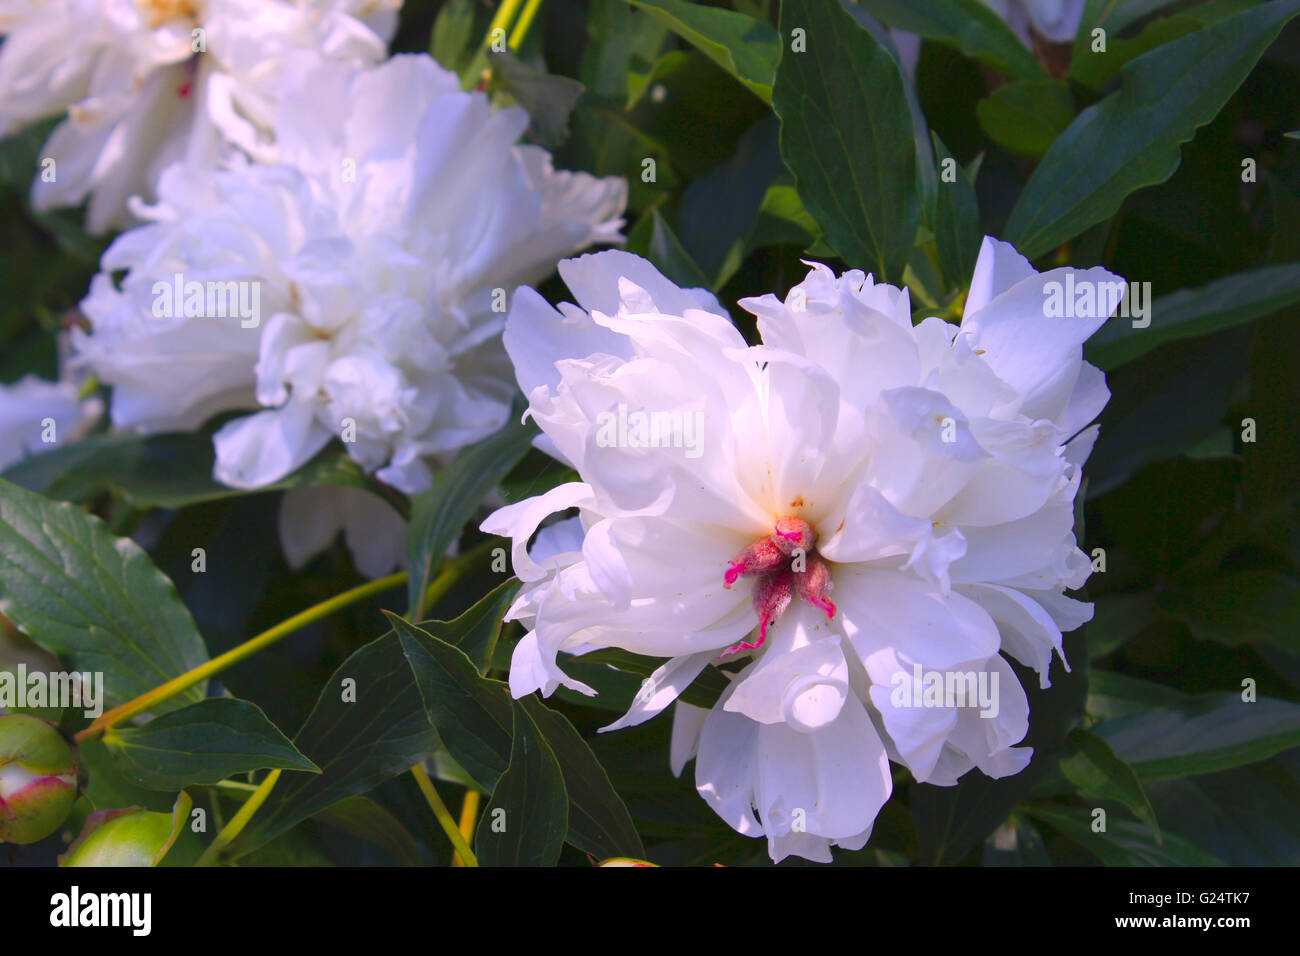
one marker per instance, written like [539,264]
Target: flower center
[787,565]
[157,12]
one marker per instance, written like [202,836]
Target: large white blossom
[378,250]
[868,504]
[376,246]
[143,83]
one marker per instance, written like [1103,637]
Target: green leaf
[524,822]
[439,514]
[20,154]
[642,77]
[202,744]
[1221,304]
[1095,69]
[1091,765]
[453,39]
[473,716]
[622,45]
[955,220]
[1239,607]
[965,25]
[1131,138]
[745,48]
[476,631]
[1269,475]
[163,471]
[368,726]
[1247,817]
[599,822]
[471,713]
[718,211]
[1113,695]
[1123,843]
[1116,620]
[1122,14]
[108,787]
[95,600]
[1027,116]
[1202,733]
[671,258]
[1164,405]
[950,821]
[363,817]
[846,134]
[783,220]
[548,98]
[926,175]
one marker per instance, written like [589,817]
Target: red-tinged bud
[625,861]
[129,837]
[38,779]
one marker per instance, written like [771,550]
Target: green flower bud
[129,837]
[38,779]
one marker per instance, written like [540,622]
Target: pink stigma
[786,566]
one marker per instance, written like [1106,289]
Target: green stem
[525,21]
[444,816]
[468,817]
[239,820]
[451,573]
[449,576]
[505,13]
[178,685]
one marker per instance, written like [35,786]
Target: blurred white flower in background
[38,415]
[1056,21]
[378,251]
[872,503]
[144,83]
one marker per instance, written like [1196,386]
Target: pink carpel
[786,566]
[761,557]
[772,596]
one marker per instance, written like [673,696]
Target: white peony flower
[37,416]
[856,509]
[367,274]
[144,83]
[312,517]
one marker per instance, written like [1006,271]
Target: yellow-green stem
[525,21]
[239,820]
[505,13]
[450,574]
[178,685]
[468,817]
[444,816]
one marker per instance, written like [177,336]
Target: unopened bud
[129,837]
[38,779]
[625,861]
